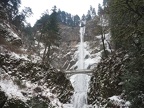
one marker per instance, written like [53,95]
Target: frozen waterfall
[81,82]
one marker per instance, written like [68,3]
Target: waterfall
[81,83]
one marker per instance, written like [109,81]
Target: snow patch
[10,89]
[116,100]
[17,56]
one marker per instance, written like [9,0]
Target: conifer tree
[51,34]
[127,26]
[11,7]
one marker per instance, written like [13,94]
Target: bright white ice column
[81,84]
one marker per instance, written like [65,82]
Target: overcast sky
[71,6]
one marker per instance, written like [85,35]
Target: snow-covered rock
[106,81]
[118,101]
[26,81]
[9,34]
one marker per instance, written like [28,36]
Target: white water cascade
[81,83]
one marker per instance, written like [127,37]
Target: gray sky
[71,6]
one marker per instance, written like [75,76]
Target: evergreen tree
[76,20]
[63,17]
[127,26]
[83,17]
[11,7]
[28,32]
[91,13]
[19,19]
[88,16]
[103,27]
[67,19]
[50,34]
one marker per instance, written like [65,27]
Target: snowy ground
[10,89]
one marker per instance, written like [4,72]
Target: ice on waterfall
[88,61]
[80,82]
[91,60]
[68,106]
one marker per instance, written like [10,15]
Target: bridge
[69,73]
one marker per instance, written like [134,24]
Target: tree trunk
[48,52]
[44,54]
[39,44]
[103,37]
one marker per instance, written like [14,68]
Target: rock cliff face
[25,83]
[92,29]
[7,32]
[69,34]
[63,58]
[36,82]
[32,79]
[106,81]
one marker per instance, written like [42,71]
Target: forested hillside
[26,79]
[33,60]
[122,72]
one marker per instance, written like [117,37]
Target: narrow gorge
[60,60]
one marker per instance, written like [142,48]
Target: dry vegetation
[10,47]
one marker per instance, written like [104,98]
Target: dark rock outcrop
[11,103]
[106,80]
[37,73]
[7,32]
[14,103]
[3,99]
[69,34]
